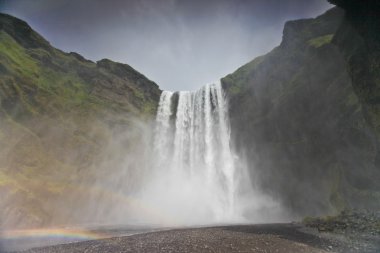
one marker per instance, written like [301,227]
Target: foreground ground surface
[241,238]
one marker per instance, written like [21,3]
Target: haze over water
[196,178]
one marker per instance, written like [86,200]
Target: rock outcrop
[301,122]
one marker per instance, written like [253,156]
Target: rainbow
[52,233]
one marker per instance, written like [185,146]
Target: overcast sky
[179,44]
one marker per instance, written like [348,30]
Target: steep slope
[59,114]
[298,120]
[358,38]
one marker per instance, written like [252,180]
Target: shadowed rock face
[58,113]
[358,38]
[298,118]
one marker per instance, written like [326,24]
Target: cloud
[179,44]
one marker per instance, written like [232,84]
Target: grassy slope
[57,113]
[296,117]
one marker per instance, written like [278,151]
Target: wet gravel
[292,238]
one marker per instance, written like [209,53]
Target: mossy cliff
[305,115]
[58,111]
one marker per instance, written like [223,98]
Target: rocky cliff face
[300,120]
[358,39]
[58,114]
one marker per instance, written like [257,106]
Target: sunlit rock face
[59,118]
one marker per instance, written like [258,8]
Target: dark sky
[180,44]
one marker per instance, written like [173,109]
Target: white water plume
[194,179]
[189,176]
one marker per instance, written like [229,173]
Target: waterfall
[192,149]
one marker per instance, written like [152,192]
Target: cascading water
[192,148]
[187,174]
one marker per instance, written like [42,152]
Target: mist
[155,173]
[131,180]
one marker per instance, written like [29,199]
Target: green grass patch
[320,41]
[17,58]
[239,79]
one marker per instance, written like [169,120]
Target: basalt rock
[305,115]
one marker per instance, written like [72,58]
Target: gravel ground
[292,238]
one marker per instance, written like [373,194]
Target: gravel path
[247,238]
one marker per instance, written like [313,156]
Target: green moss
[67,89]
[308,220]
[138,94]
[63,90]
[149,108]
[237,82]
[53,75]
[320,41]
[15,57]
[236,89]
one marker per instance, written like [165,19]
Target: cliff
[301,121]
[58,114]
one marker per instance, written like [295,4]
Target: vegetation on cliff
[299,119]
[58,112]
